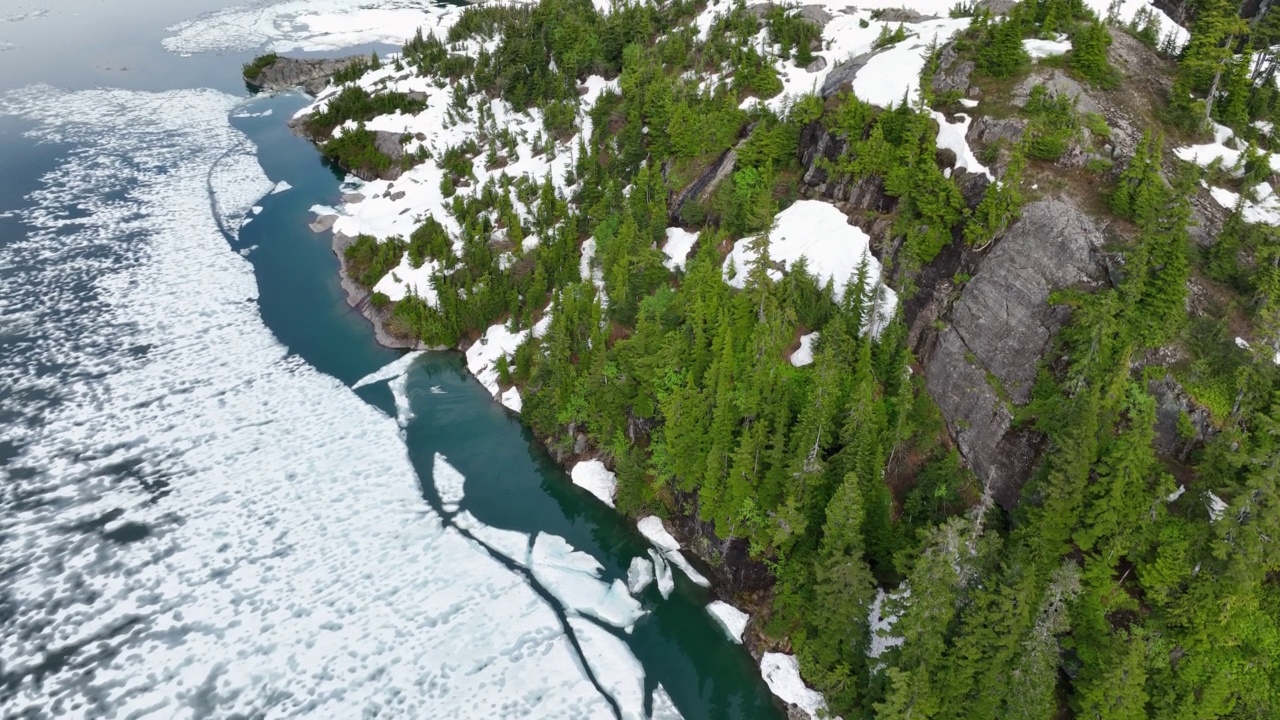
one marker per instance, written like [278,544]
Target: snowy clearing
[833,250]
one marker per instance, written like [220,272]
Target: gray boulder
[844,72]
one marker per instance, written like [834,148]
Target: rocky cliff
[311,75]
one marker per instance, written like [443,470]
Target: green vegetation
[368,259]
[357,104]
[253,69]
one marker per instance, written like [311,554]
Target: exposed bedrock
[995,334]
[310,75]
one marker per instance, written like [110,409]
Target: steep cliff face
[984,361]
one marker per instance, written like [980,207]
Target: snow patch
[679,243]
[733,620]
[1038,48]
[1217,506]
[595,478]
[833,248]
[952,137]
[782,675]
[881,623]
[511,399]
[804,354]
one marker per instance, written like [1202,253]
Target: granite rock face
[310,75]
[1000,328]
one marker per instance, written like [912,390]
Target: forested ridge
[1130,578]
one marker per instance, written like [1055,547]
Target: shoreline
[694,541]
[754,642]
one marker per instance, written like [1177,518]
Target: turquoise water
[511,481]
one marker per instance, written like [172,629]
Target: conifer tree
[1089,54]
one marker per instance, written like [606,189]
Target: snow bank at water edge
[782,675]
[733,620]
[832,247]
[595,478]
[498,342]
[651,527]
[281,524]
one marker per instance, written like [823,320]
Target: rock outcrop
[985,360]
[310,75]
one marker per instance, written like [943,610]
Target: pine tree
[1000,205]
[1089,54]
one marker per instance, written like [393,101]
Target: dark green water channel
[511,481]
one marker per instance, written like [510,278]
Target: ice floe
[309,25]
[399,387]
[662,573]
[733,620]
[285,542]
[450,484]
[639,575]
[391,370]
[663,707]
[510,544]
[651,527]
[782,675]
[595,478]
[574,578]
[614,665]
